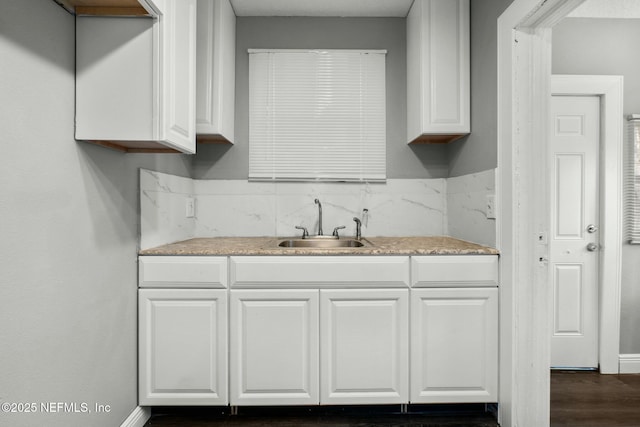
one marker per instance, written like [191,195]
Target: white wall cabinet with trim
[183,327]
[136,79]
[438,71]
[215,71]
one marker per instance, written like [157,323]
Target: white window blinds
[632,180]
[317,115]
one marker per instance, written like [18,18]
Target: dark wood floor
[350,416]
[588,399]
[578,399]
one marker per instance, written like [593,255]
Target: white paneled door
[573,240]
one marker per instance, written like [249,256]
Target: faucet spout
[358,228]
[317,202]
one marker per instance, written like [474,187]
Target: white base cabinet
[182,347]
[318,330]
[454,345]
[309,346]
[364,346]
[274,347]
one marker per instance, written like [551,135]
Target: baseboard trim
[629,363]
[137,418]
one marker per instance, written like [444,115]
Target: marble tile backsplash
[466,207]
[162,209]
[235,208]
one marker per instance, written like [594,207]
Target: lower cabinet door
[364,341]
[182,347]
[454,345]
[274,347]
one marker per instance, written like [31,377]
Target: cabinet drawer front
[454,270]
[319,271]
[182,271]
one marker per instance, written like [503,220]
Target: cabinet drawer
[182,271]
[454,270]
[319,271]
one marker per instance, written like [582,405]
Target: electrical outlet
[190,208]
[490,208]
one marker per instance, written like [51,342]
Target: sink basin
[321,243]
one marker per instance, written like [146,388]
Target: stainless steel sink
[321,243]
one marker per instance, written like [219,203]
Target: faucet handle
[335,231]
[305,233]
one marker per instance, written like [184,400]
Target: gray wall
[69,233]
[403,161]
[478,151]
[608,46]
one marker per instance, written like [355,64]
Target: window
[317,115]
[632,180]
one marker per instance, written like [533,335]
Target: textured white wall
[68,235]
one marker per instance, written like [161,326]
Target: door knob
[592,228]
[592,247]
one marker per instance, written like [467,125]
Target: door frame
[524,88]
[610,91]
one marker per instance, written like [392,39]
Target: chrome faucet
[358,228]
[317,202]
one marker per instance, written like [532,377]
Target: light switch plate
[190,207]
[490,208]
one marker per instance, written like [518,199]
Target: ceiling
[607,9]
[352,8]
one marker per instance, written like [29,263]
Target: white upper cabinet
[438,71]
[216,67]
[136,79]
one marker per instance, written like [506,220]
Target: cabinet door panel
[454,345]
[111,103]
[364,346]
[274,347]
[216,62]
[178,74]
[438,70]
[183,347]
